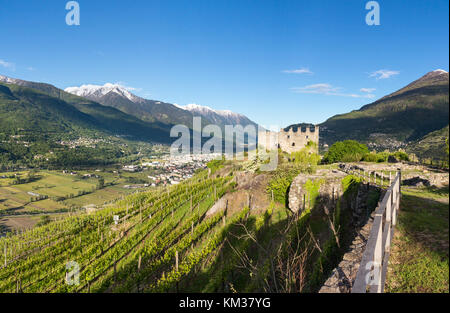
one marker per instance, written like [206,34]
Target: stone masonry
[299,198]
[290,139]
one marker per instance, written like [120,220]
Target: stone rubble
[342,278]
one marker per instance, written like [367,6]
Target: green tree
[101,183]
[345,151]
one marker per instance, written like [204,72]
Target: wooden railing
[371,275]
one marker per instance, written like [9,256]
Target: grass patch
[419,258]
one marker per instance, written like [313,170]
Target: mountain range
[398,120]
[218,117]
[414,118]
[114,110]
[116,96]
[120,98]
[19,98]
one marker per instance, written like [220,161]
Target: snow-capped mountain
[218,117]
[436,77]
[121,98]
[96,92]
[9,80]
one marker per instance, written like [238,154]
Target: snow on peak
[97,91]
[227,113]
[8,80]
[440,71]
[196,107]
[192,107]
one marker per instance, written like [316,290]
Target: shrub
[280,184]
[305,159]
[383,156]
[401,155]
[345,151]
[214,165]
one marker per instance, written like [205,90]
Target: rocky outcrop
[342,278]
[330,189]
[436,177]
[416,182]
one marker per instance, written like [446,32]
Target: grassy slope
[419,258]
[35,111]
[42,107]
[431,146]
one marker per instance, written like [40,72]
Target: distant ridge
[396,119]
[121,98]
[92,115]
[218,117]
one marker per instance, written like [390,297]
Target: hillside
[202,235]
[29,110]
[118,97]
[431,146]
[394,120]
[107,119]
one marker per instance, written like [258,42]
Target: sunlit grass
[419,260]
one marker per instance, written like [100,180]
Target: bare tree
[287,256]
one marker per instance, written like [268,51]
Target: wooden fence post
[115,271]
[176,265]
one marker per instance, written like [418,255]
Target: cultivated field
[53,192]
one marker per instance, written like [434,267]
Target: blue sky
[278,62]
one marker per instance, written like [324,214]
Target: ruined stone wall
[331,187]
[289,141]
[357,229]
[268,139]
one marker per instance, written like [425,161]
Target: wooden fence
[371,275]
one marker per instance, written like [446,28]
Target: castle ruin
[290,139]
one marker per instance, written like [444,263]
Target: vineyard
[146,242]
[182,238]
